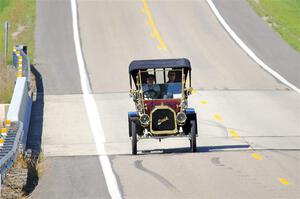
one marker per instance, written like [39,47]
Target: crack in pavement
[138,164]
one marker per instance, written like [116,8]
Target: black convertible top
[159,63]
[143,65]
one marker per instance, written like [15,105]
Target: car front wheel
[193,133]
[133,138]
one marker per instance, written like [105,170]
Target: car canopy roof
[159,63]
[143,65]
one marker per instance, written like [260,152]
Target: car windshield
[162,84]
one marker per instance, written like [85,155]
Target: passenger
[172,87]
[171,76]
[150,89]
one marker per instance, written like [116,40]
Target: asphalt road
[72,177]
[217,61]
[55,49]
[248,144]
[71,168]
[268,44]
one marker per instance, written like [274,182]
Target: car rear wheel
[133,138]
[193,133]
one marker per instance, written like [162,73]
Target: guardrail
[14,132]
[11,144]
[21,61]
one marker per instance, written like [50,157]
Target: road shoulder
[262,39]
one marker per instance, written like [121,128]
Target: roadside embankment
[21,17]
[261,38]
[18,169]
[283,16]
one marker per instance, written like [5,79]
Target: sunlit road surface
[248,122]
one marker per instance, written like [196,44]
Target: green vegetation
[21,17]
[283,16]
[3,4]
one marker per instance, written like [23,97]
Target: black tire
[133,138]
[193,133]
[129,127]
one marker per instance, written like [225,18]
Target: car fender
[191,115]
[132,116]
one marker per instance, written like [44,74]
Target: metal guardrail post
[6,27]
[28,70]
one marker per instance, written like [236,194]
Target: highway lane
[218,62]
[243,111]
[55,49]
[237,107]
[71,177]
[109,43]
[234,89]
[71,166]
[207,175]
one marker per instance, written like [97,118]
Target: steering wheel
[152,94]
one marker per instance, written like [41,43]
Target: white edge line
[92,111]
[247,49]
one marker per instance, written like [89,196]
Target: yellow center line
[283,181]
[233,133]
[256,156]
[203,102]
[218,117]
[155,32]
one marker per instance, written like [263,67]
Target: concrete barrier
[20,106]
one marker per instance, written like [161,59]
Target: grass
[3,4]
[283,16]
[21,16]
[7,77]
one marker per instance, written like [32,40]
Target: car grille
[163,119]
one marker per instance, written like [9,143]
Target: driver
[150,89]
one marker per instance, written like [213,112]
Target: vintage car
[160,90]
